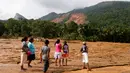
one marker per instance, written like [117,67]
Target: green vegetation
[70,31]
[108,21]
[2,28]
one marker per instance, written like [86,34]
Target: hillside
[78,18]
[101,12]
[50,16]
[109,13]
[19,17]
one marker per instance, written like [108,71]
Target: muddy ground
[104,57]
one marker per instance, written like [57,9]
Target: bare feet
[30,66]
[89,69]
[23,69]
[59,65]
[84,68]
[56,65]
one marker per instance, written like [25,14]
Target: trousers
[46,65]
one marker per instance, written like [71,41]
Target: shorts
[65,55]
[57,55]
[44,57]
[31,57]
[85,57]
[23,58]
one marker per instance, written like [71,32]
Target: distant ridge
[19,17]
[93,13]
[80,16]
[50,16]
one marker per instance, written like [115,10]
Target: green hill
[50,16]
[107,13]
[103,13]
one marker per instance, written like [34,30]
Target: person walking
[45,55]
[31,52]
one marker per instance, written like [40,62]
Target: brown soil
[78,18]
[60,19]
[104,57]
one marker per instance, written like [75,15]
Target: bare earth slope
[78,18]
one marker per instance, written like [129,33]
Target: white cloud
[38,8]
[62,5]
[10,7]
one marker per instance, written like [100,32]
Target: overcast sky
[38,8]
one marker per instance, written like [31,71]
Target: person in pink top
[58,53]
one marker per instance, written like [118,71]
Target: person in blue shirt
[31,55]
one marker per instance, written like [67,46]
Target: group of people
[61,53]
[28,52]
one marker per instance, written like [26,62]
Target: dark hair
[65,43]
[46,42]
[57,41]
[24,39]
[31,40]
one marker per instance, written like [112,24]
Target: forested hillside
[106,21]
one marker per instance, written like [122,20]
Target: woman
[31,47]
[58,54]
[24,52]
[65,53]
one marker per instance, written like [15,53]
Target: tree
[13,27]
[2,28]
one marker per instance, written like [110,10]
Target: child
[24,52]
[58,54]
[65,53]
[45,55]
[31,47]
[84,51]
